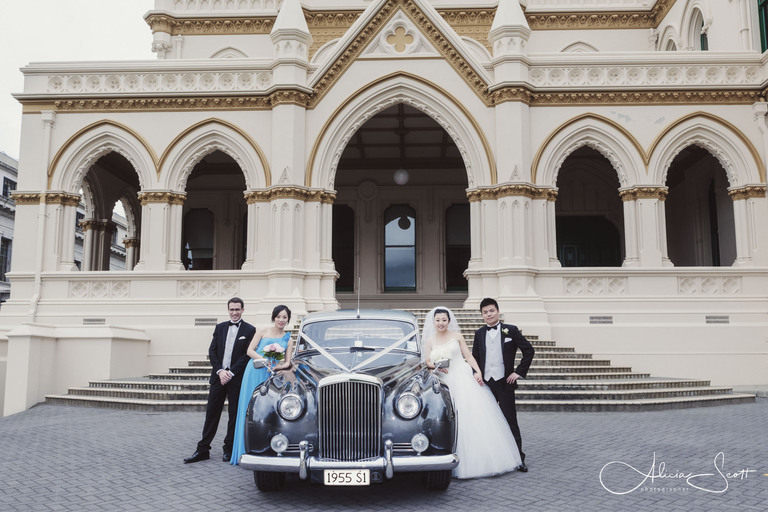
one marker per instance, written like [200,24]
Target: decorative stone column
[746,224]
[543,226]
[258,229]
[61,209]
[161,218]
[87,225]
[645,224]
[131,246]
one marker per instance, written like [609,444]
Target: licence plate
[347,477]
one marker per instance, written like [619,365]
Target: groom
[494,350]
[228,358]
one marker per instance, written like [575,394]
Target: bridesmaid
[257,372]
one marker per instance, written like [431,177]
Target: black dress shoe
[227,457]
[522,468]
[197,457]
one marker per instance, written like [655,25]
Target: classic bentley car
[358,406]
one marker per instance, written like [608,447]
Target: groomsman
[229,357]
[494,350]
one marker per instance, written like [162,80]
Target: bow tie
[234,324]
[489,328]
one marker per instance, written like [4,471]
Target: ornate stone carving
[210,25]
[436,38]
[407,100]
[175,103]
[643,74]
[517,190]
[146,198]
[635,193]
[709,285]
[297,193]
[750,192]
[242,80]
[25,198]
[715,151]
[600,148]
[289,97]
[97,289]
[202,153]
[63,199]
[600,286]
[207,288]
[600,19]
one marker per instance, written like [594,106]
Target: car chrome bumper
[388,464]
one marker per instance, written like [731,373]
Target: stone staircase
[560,379]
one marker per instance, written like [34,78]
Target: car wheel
[437,480]
[268,481]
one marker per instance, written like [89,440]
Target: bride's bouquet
[440,352]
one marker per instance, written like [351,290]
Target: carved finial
[509,26]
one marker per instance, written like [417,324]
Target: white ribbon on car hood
[342,366]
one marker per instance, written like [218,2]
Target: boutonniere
[505,331]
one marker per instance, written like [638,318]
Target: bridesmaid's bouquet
[274,351]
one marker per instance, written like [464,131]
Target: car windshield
[351,343]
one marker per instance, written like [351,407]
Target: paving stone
[60,458]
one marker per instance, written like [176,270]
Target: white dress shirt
[494,360]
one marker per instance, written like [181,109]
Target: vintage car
[358,406]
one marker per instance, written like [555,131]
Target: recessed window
[400,248]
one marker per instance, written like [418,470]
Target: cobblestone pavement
[79,459]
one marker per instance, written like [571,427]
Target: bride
[485,444]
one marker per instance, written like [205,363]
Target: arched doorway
[699,212]
[108,217]
[400,186]
[214,215]
[589,213]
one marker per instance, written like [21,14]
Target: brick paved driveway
[78,459]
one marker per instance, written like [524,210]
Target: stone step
[568,361]
[612,384]
[539,369]
[560,379]
[523,394]
[535,376]
[181,376]
[153,385]
[634,405]
[127,403]
[145,394]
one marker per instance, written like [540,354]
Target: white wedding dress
[485,444]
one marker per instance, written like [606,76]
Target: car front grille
[349,417]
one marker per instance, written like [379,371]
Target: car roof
[352,314]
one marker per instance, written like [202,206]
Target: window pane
[400,270]
[400,231]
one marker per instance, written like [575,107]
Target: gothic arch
[696,12]
[723,140]
[229,53]
[83,149]
[205,137]
[600,133]
[669,36]
[417,92]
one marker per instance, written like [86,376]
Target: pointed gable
[383,29]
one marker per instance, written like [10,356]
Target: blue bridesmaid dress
[251,380]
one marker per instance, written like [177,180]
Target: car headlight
[408,405]
[290,407]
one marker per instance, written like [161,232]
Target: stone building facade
[596,165]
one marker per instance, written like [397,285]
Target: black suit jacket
[240,357]
[510,343]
